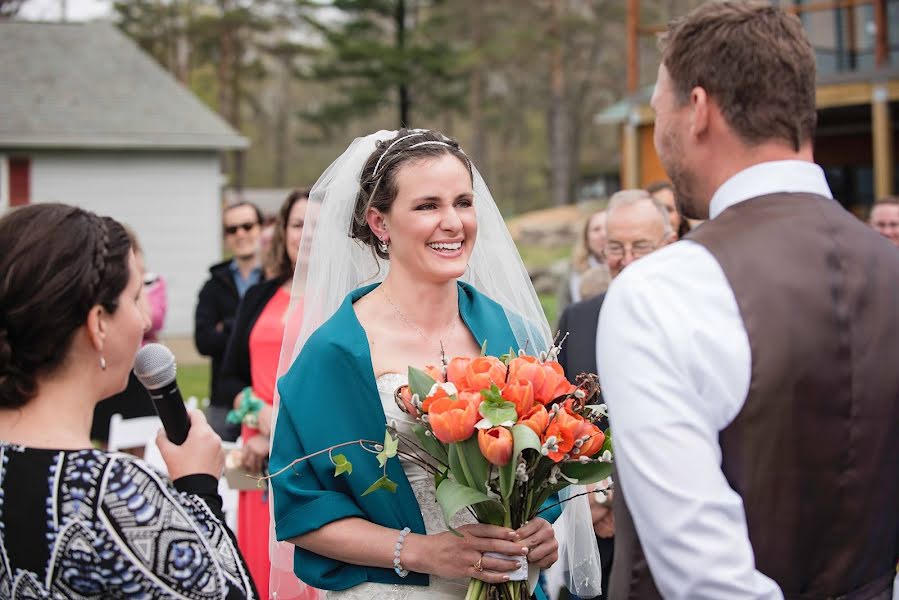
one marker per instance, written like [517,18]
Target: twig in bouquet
[376,447]
[546,508]
[415,446]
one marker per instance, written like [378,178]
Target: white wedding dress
[423,487]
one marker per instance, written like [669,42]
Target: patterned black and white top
[92,524]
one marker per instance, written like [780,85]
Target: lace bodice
[423,488]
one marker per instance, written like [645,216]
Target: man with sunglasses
[636,225]
[218,300]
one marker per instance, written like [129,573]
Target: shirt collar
[769,178]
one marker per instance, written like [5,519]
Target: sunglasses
[232,229]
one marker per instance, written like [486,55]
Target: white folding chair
[131,433]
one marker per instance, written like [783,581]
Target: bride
[403,210]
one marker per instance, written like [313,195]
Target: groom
[751,371]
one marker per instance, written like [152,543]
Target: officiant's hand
[449,556]
[539,537]
[254,453]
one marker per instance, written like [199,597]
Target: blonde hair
[595,281]
[580,256]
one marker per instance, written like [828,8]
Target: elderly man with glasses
[636,225]
[218,300]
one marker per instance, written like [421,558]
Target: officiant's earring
[384,246]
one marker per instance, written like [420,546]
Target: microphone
[154,366]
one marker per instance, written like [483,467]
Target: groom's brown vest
[814,452]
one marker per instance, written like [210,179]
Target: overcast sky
[77,10]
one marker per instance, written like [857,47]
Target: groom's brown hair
[754,60]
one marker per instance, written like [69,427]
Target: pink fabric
[156,297]
[252,508]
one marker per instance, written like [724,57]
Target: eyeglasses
[638,249]
[232,229]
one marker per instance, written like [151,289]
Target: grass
[540,256]
[549,303]
[193,380]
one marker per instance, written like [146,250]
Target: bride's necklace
[408,322]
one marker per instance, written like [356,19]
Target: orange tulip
[496,445]
[562,427]
[452,420]
[403,395]
[474,397]
[438,394]
[435,373]
[547,378]
[537,419]
[483,372]
[455,371]
[591,438]
[521,394]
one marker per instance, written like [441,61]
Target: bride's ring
[477,566]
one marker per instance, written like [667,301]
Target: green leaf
[454,497]
[493,395]
[420,382]
[473,463]
[522,437]
[484,348]
[390,447]
[342,465]
[381,484]
[455,465]
[586,473]
[432,445]
[498,412]
[607,444]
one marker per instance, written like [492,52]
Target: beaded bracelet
[396,553]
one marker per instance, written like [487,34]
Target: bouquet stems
[476,590]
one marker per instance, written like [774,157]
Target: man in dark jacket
[636,225]
[218,300]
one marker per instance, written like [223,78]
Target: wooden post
[633,48]
[882,41]
[630,154]
[882,140]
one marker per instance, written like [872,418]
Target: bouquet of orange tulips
[506,434]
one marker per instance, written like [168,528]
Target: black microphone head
[154,366]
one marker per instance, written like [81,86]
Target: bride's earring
[102,362]
[384,246]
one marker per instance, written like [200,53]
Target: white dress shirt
[674,364]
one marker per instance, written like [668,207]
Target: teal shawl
[329,396]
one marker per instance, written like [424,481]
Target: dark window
[19,181]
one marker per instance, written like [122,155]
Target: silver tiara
[374,173]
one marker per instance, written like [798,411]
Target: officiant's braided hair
[377,183]
[57,262]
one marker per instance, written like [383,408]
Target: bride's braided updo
[377,183]
[57,263]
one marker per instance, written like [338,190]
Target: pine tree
[384,53]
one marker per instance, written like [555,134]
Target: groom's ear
[377,223]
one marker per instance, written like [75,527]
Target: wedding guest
[77,522]
[636,226]
[218,300]
[755,426]
[884,218]
[248,376]
[588,254]
[411,199]
[663,191]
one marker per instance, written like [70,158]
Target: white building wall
[170,199]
